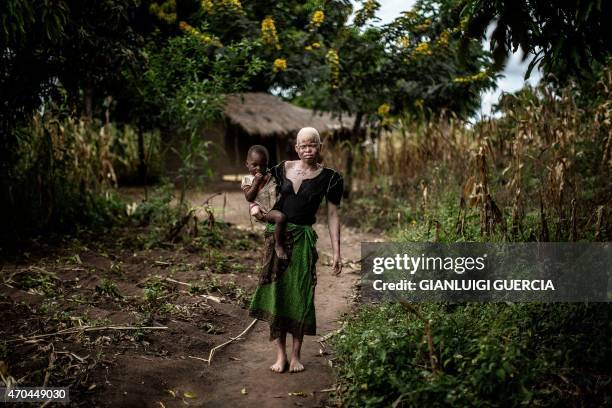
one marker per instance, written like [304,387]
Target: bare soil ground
[111,281]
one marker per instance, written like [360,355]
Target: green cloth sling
[285,295]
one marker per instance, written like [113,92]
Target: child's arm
[250,192]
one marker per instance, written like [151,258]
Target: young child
[260,191]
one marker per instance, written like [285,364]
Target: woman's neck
[307,165]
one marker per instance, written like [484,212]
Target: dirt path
[244,365]
[112,280]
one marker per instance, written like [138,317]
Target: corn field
[545,159]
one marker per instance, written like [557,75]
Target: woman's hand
[336,266]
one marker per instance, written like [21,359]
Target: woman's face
[307,149]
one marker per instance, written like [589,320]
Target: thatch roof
[267,115]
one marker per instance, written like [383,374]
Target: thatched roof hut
[259,118]
[265,115]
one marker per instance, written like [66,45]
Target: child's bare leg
[296,365]
[281,354]
[280,225]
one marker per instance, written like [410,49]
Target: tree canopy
[567,38]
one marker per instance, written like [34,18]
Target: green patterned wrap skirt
[285,294]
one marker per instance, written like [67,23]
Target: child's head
[257,159]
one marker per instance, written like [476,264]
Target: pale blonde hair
[308,133]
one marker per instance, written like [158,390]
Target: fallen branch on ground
[50,366]
[177,282]
[73,330]
[332,334]
[213,298]
[36,269]
[232,339]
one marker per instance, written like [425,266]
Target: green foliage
[40,282]
[108,288]
[422,182]
[228,289]
[157,214]
[165,220]
[411,65]
[210,238]
[4,350]
[153,292]
[203,74]
[63,178]
[126,155]
[57,50]
[489,355]
[566,38]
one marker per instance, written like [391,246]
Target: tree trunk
[88,100]
[9,206]
[348,170]
[142,160]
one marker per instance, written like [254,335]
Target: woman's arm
[333,221]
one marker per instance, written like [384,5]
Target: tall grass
[539,172]
[544,158]
[65,174]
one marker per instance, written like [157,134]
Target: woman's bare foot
[295,366]
[280,251]
[280,365]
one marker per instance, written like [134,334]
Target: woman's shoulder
[288,163]
[278,169]
[283,165]
[332,172]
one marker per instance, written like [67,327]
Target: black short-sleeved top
[302,207]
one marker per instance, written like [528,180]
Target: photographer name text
[465,285]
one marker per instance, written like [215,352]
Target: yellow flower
[280,64]
[207,5]
[404,41]
[165,12]
[334,66]
[410,14]
[233,5]
[419,103]
[370,6]
[194,32]
[314,45]
[367,12]
[383,110]
[424,25]
[332,57]
[268,32]
[444,36]
[317,18]
[422,49]
[481,76]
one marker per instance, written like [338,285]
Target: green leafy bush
[488,355]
